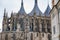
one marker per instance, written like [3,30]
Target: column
[40,36]
[34,28]
[5,27]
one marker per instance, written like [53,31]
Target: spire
[4,10]
[47,11]
[11,13]
[35,2]
[35,10]
[22,11]
[5,14]
[22,3]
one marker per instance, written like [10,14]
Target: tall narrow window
[6,37]
[8,28]
[43,35]
[14,25]
[48,28]
[54,29]
[59,15]
[43,27]
[32,26]
[49,37]
[14,37]
[37,25]
[37,34]
[53,15]
[21,24]
[31,36]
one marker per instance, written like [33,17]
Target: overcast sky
[14,5]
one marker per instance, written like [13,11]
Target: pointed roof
[35,10]
[22,11]
[11,13]
[47,10]
[5,13]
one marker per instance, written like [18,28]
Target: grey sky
[14,5]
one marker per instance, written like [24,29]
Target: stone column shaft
[34,25]
[45,25]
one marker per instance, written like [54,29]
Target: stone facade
[24,36]
[55,21]
[22,26]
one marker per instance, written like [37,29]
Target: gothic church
[21,26]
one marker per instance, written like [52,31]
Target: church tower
[22,26]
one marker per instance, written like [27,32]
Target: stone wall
[23,36]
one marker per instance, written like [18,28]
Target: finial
[35,1]
[48,3]
[11,13]
[22,3]
[5,12]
